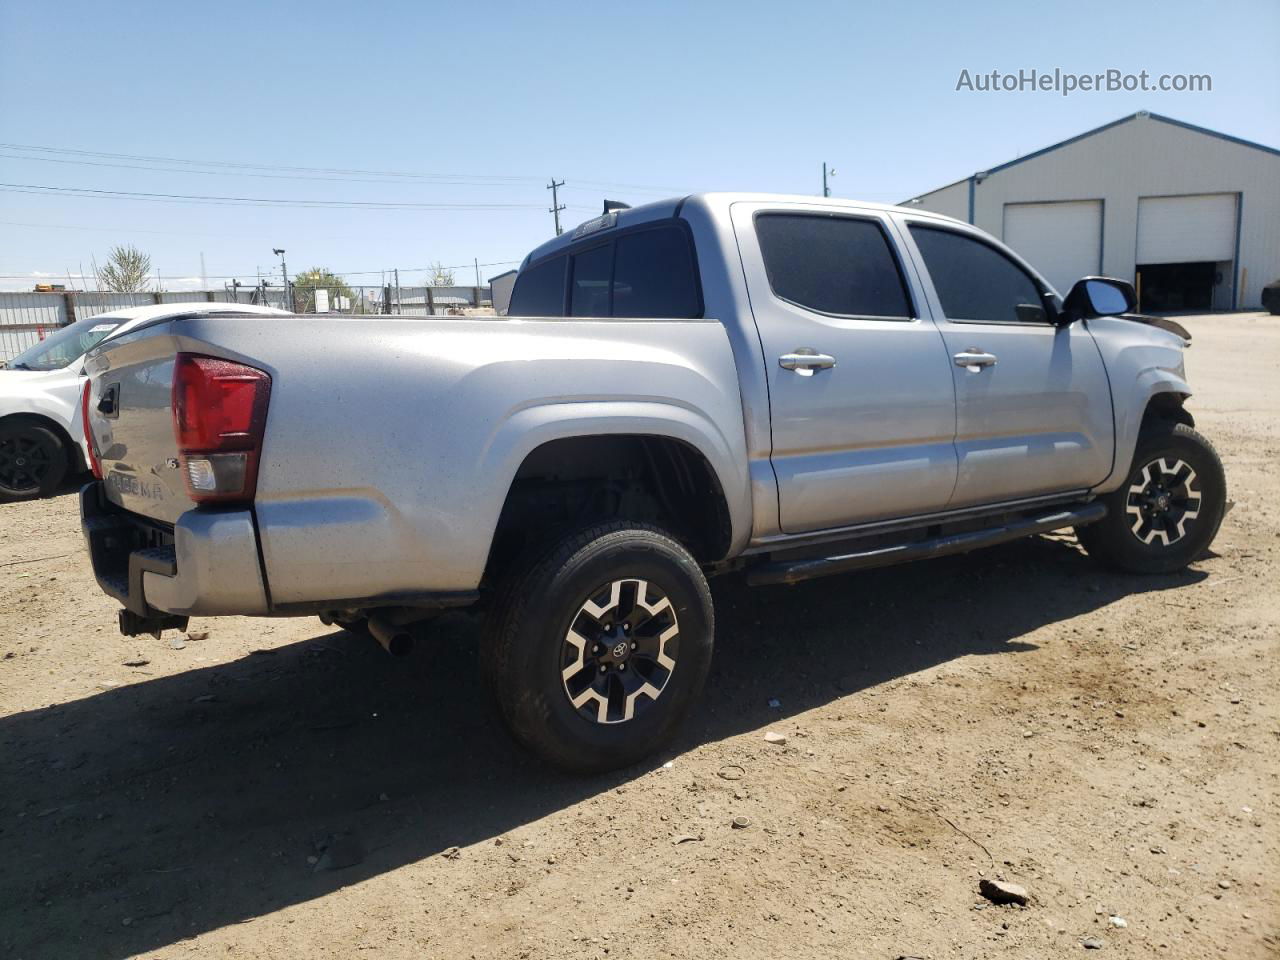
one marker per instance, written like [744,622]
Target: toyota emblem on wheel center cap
[620,649]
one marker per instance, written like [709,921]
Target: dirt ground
[1110,742]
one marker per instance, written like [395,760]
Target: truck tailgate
[131,423]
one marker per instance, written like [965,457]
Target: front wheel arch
[37,469]
[75,456]
[1169,407]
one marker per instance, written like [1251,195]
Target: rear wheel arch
[573,481]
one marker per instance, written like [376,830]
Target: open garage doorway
[1173,287]
[1186,252]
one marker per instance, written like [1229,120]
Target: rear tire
[1169,508]
[596,651]
[33,461]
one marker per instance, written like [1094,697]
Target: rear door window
[539,290]
[833,264]
[590,290]
[976,282]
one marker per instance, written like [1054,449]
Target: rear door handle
[805,361]
[973,359]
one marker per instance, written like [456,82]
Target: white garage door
[1187,229]
[1061,240]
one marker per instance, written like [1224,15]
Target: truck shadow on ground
[150,813]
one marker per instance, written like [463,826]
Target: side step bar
[793,571]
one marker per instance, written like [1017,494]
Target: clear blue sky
[653,99]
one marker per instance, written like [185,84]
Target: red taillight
[94,464]
[219,413]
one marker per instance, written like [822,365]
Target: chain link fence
[27,318]
[387,299]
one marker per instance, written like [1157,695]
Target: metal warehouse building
[1191,216]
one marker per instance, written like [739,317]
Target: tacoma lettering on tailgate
[127,484]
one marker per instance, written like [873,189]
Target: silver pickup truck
[782,386]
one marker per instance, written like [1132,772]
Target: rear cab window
[833,264]
[539,290]
[648,271]
[589,292]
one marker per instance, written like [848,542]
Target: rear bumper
[205,565]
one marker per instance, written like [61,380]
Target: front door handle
[805,361]
[973,359]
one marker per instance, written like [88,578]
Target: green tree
[308,282]
[126,270]
[439,275]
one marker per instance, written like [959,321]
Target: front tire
[1169,508]
[598,649]
[33,461]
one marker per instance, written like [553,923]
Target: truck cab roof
[715,201]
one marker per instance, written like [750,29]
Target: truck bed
[390,443]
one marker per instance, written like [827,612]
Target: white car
[41,426]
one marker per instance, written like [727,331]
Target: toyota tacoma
[786,387]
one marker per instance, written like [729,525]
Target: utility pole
[556,205]
[398,310]
[284,273]
[476,261]
[826,190]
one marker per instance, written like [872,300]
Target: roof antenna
[611,205]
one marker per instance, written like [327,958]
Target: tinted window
[539,290]
[832,264]
[653,276]
[977,282]
[589,296]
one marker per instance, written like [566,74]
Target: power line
[117,229]
[253,166]
[244,273]
[379,178]
[227,168]
[255,201]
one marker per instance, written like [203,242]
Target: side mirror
[1098,297]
